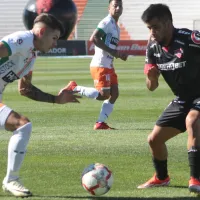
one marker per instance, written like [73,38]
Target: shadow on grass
[128,129]
[116,198]
[177,186]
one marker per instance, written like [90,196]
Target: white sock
[87,91]
[106,110]
[16,151]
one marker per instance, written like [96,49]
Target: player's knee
[152,140]
[192,122]
[105,94]
[15,121]
[23,120]
[115,95]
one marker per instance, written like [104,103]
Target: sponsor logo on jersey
[10,77]
[184,32]
[114,41]
[19,41]
[178,53]
[171,66]
[195,36]
[6,66]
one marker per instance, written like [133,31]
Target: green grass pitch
[63,141]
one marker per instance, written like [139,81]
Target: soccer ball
[97,179]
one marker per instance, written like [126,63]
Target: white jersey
[21,57]
[102,58]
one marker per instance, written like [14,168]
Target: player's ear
[42,31]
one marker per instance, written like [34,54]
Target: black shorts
[176,112]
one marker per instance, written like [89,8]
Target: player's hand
[153,73]
[122,56]
[67,96]
[118,54]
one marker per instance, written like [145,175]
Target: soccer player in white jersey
[105,38]
[17,56]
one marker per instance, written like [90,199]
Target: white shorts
[4,113]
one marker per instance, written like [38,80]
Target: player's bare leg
[108,96]
[193,130]
[158,148]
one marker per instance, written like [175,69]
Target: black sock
[194,162]
[161,168]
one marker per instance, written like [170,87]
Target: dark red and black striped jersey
[179,63]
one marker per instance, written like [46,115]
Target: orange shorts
[103,77]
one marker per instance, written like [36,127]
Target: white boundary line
[64,57]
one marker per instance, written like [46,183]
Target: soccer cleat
[154,182]
[194,185]
[71,85]
[16,188]
[102,125]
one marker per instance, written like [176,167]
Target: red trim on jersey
[147,67]
[165,49]
[27,64]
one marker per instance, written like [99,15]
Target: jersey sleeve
[103,26]
[16,43]
[150,60]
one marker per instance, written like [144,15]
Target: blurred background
[185,15]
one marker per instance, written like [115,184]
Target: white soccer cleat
[16,188]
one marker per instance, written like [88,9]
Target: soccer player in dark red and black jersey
[174,54]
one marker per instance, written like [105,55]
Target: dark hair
[114,0]
[51,21]
[159,11]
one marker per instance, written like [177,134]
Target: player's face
[49,39]
[159,30]
[115,8]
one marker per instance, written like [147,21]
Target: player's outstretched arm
[26,88]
